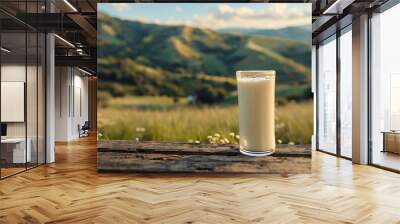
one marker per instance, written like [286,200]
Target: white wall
[13,100]
[71,94]
[80,112]
[12,73]
[62,81]
[33,126]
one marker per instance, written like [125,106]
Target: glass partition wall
[334,85]
[22,77]
[13,110]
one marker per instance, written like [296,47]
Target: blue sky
[214,15]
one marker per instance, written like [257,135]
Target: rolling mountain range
[151,59]
[297,33]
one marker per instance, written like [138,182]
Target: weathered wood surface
[131,156]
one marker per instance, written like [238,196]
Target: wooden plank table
[164,157]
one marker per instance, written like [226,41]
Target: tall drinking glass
[256,93]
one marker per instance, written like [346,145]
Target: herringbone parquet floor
[70,191]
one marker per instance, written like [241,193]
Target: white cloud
[272,16]
[120,6]
[225,9]
[245,11]
[267,16]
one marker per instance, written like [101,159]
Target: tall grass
[160,119]
[294,122]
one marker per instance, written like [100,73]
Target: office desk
[391,141]
[13,150]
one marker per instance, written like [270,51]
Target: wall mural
[166,72]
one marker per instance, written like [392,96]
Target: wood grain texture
[71,191]
[131,156]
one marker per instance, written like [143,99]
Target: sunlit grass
[294,123]
[144,100]
[129,119]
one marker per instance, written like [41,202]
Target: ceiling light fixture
[337,7]
[84,71]
[331,7]
[79,51]
[65,41]
[70,5]
[5,50]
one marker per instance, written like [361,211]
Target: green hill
[149,59]
[298,33]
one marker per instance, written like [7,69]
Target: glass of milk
[256,93]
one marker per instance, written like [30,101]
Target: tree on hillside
[210,95]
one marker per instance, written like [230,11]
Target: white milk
[256,93]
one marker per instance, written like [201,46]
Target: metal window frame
[338,95]
[339,32]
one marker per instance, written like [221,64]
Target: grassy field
[160,119]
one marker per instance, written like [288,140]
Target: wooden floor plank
[71,191]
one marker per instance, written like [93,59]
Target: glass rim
[255,74]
